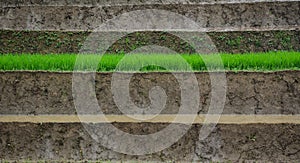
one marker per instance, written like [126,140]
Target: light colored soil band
[209,17]
[166,118]
[214,29]
[134,2]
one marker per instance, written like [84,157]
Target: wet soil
[51,92]
[46,42]
[211,16]
[236,143]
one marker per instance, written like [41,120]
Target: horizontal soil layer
[51,93]
[72,42]
[54,141]
[119,2]
[209,16]
[162,118]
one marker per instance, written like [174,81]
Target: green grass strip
[270,61]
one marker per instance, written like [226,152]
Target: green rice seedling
[270,61]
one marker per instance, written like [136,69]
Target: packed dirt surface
[247,92]
[236,143]
[120,2]
[46,42]
[214,17]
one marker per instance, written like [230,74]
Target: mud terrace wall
[216,16]
[60,26]
[247,92]
[123,2]
[236,143]
[46,42]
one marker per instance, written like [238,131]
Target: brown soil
[236,143]
[117,2]
[247,92]
[238,16]
[211,16]
[37,93]
[71,42]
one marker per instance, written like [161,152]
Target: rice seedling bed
[270,61]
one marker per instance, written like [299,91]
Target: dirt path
[199,119]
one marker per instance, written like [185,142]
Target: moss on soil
[70,42]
